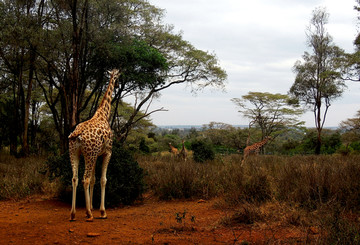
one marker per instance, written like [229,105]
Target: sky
[257,43]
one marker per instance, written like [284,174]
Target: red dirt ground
[46,221]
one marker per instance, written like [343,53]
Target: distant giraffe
[173,150]
[92,138]
[255,148]
[183,152]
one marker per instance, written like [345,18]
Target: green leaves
[271,112]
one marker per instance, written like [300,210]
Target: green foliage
[272,113]
[124,178]
[202,151]
[143,147]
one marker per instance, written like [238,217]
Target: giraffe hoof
[103,215]
[91,219]
[72,217]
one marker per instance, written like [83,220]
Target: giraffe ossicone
[92,139]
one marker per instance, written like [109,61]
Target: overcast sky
[257,42]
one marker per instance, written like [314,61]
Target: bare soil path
[45,221]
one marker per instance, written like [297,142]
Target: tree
[21,23]
[318,77]
[351,129]
[74,43]
[351,62]
[272,113]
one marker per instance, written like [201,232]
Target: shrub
[245,184]
[202,151]
[124,178]
[172,178]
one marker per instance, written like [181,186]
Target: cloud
[257,43]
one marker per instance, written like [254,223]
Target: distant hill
[170,127]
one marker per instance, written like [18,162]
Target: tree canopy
[64,49]
[272,113]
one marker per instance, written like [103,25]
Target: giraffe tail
[76,133]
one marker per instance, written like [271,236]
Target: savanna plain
[268,200]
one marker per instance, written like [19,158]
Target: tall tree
[78,41]
[318,77]
[272,113]
[20,24]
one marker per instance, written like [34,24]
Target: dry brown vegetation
[316,196]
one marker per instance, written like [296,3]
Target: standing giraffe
[255,148]
[173,150]
[183,152]
[92,138]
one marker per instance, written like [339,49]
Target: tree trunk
[25,142]
[318,143]
[318,124]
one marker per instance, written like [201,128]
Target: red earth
[39,220]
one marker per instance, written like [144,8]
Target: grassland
[306,191]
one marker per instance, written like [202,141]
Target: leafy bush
[202,151]
[124,178]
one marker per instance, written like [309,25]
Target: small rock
[91,234]
[71,230]
[201,201]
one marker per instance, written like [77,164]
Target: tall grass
[306,191]
[20,177]
[307,181]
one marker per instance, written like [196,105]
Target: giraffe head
[268,137]
[114,74]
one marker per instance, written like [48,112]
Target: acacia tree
[272,113]
[318,77]
[80,40]
[351,128]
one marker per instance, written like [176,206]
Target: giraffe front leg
[106,159]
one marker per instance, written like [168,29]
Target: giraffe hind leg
[92,183]
[103,180]
[74,158]
[89,165]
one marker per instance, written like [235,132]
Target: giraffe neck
[261,143]
[105,105]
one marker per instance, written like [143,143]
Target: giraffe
[173,150]
[183,152]
[255,148]
[92,138]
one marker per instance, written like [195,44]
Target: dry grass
[21,177]
[315,193]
